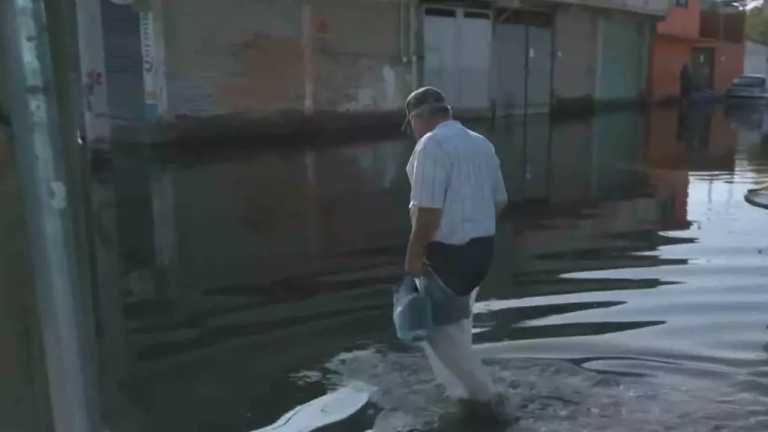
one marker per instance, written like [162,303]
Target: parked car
[748,86]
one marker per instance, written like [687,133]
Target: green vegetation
[757,25]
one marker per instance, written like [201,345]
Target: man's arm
[428,189]
[426,222]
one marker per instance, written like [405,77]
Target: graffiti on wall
[93,80]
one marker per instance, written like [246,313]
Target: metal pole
[44,123]
[414,42]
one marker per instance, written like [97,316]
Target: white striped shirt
[457,170]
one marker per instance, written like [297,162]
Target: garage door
[457,45]
[623,58]
[523,53]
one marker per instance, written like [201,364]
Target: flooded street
[628,291]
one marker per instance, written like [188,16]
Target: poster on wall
[151,93]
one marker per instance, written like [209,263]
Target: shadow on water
[243,275]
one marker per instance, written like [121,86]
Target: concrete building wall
[683,30]
[576,54]
[729,64]
[600,56]
[240,56]
[358,58]
[755,58]
[682,22]
[667,60]
[284,55]
[275,57]
[723,24]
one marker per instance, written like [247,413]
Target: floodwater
[628,293]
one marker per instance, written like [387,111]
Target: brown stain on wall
[353,43]
[272,76]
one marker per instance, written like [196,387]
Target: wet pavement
[628,291]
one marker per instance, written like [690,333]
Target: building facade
[170,60]
[707,37]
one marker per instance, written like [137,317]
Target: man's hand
[414,264]
[426,221]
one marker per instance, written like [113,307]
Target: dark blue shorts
[462,268]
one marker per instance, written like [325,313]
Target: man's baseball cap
[425,97]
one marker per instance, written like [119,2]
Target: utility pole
[43,65]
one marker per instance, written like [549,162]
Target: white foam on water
[546,395]
[331,408]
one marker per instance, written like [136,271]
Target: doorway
[702,68]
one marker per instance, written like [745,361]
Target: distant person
[457,190]
[686,83]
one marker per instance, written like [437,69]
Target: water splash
[545,394]
[331,408]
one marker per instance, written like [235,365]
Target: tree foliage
[757,25]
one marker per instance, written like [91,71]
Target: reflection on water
[626,295]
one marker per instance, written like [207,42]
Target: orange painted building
[710,41]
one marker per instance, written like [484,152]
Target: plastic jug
[412,310]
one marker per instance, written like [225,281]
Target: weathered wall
[600,56]
[576,53]
[668,57]
[682,22]
[240,56]
[283,55]
[623,57]
[723,24]
[755,58]
[729,64]
[357,55]
[679,33]
[303,56]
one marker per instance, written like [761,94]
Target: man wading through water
[457,190]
